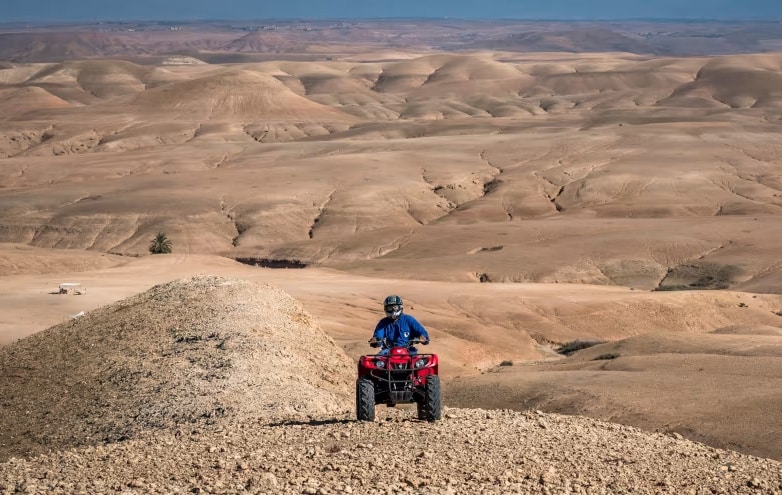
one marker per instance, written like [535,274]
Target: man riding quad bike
[398,374]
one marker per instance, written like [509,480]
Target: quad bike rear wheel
[431,408]
[365,400]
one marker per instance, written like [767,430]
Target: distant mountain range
[216,40]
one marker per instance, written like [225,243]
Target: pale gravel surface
[213,385]
[470,451]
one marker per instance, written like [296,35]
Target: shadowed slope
[747,82]
[100,78]
[14,103]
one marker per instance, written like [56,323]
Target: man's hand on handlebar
[374,343]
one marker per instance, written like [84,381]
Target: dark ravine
[272,263]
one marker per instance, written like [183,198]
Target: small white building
[71,288]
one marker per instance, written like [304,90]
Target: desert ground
[520,201]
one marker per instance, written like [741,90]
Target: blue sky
[80,10]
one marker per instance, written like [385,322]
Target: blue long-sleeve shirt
[399,331]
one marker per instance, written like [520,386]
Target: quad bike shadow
[398,376]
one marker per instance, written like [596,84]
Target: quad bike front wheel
[431,407]
[365,400]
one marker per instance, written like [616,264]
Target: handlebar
[387,344]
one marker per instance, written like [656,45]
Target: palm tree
[160,244]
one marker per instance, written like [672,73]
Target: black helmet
[393,306]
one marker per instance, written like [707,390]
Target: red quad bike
[398,378]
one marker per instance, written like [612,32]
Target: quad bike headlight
[420,363]
[380,363]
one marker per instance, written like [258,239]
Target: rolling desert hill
[519,201]
[537,155]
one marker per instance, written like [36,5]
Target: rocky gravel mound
[187,354]
[469,451]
